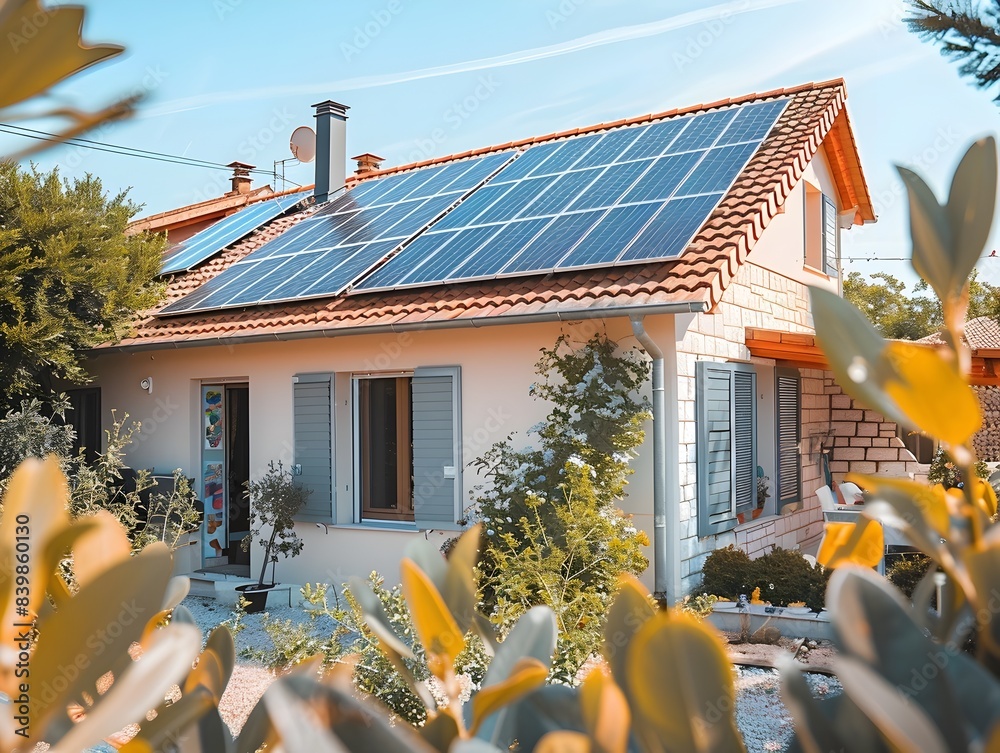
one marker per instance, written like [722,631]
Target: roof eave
[558,315]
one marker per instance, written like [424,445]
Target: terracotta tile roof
[981,333]
[698,276]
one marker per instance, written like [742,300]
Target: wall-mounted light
[147,384]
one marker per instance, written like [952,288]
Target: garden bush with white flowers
[553,533]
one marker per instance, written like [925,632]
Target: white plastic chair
[851,492]
[827,500]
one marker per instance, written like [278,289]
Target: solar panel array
[329,250]
[201,246]
[632,195]
[626,196]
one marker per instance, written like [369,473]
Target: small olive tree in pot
[274,500]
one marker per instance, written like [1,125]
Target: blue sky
[230,79]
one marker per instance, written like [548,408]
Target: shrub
[944,471]
[907,571]
[782,575]
[728,573]
[785,576]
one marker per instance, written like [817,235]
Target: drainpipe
[666,512]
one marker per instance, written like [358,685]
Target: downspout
[666,512]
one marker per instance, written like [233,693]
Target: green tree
[553,533]
[896,314]
[70,277]
[968,32]
[901,315]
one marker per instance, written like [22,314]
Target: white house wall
[497,369]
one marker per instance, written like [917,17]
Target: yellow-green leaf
[34,514]
[42,46]
[933,393]
[629,612]
[140,688]
[563,742]
[435,626]
[103,546]
[861,543]
[854,349]
[605,712]
[970,207]
[682,688]
[527,675]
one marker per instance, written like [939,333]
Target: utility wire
[125,151]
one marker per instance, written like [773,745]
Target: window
[385,425]
[726,448]
[408,447]
[920,445]
[84,416]
[831,257]
[821,232]
[788,428]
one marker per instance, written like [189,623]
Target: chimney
[331,149]
[241,177]
[368,163]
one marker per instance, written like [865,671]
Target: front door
[225,455]
[237,471]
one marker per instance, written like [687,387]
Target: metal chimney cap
[329,107]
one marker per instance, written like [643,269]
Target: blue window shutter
[831,259]
[788,427]
[437,448]
[726,443]
[313,443]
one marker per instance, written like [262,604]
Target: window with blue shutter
[831,259]
[726,449]
[788,428]
[409,447]
[312,405]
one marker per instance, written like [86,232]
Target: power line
[125,151]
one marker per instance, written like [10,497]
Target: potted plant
[274,501]
[762,492]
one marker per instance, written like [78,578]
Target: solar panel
[633,194]
[630,195]
[201,246]
[328,251]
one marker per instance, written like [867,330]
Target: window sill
[759,521]
[818,272]
[378,525]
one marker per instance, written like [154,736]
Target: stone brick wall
[862,441]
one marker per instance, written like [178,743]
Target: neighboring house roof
[981,333]
[697,278]
[204,213]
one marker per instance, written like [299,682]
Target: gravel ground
[763,720]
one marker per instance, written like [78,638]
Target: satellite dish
[303,144]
